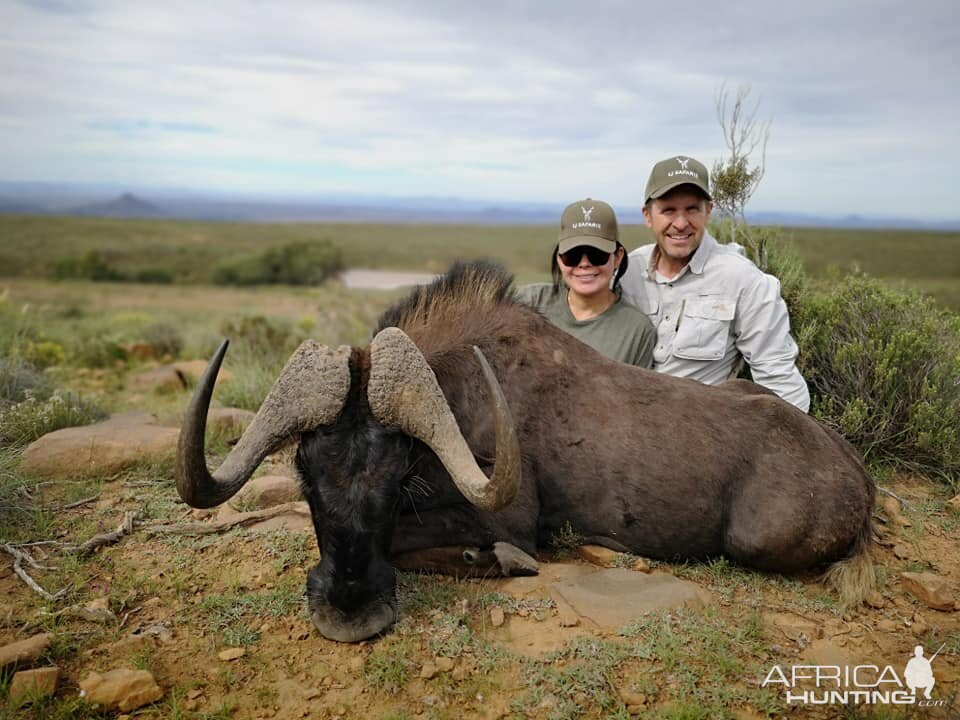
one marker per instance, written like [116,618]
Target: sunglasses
[572,257]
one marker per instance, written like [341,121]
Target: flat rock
[26,651]
[953,504]
[231,654]
[930,589]
[266,491]
[101,449]
[540,583]
[161,380]
[120,689]
[228,422]
[497,617]
[28,685]
[615,597]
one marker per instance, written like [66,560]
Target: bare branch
[97,541]
[242,519]
[20,556]
[78,503]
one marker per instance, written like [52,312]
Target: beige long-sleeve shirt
[718,308]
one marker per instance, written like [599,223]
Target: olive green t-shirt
[620,332]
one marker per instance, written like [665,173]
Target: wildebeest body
[622,456]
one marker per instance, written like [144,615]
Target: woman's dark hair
[557,275]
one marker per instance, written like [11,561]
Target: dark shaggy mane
[473,303]
[479,285]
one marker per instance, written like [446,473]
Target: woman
[584,298]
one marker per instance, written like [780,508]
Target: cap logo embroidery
[683,169]
[587,222]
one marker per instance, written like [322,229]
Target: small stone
[632,698]
[953,505]
[497,617]
[190,705]
[428,671]
[598,555]
[901,551]
[930,589]
[356,664]
[25,651]
[29,685]
[231,654]
[444,664]
[120,689]
[919,629]
[887,626]
[875,600]
[891,507]
[641,565]
[195,693]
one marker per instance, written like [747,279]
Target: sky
[500,100]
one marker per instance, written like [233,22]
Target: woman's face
[590,270]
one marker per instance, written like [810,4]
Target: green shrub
[33,417]
[883,366]
[20,379]
[43,353]
[257,333]
[94,350]
[164,338]
[292,264]
[157,276]
[89,266]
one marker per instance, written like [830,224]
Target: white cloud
[500,99]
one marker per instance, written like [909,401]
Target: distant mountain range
[103,201]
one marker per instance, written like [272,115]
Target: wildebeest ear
[403,393]
[309,393]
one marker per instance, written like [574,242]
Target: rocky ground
[156,610]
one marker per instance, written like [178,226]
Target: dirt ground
[463,648]
[181,604]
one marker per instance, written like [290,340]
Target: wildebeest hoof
[513,560]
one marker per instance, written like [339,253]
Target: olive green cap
[589,222]
[674,172]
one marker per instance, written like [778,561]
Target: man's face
[678,221]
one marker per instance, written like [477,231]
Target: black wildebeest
[393,439]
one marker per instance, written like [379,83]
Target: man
[710,305]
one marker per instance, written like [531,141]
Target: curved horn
[403,393]
[310,392]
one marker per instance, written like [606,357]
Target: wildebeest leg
[513,560]
[461,541]
[464,561]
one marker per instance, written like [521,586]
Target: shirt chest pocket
[704,328]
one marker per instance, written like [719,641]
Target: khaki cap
[674,172]
[589,222]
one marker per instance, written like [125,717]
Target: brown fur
[666,467]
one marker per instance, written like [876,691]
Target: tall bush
[883,366]
[292,264]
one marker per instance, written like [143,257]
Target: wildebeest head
[357,413]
